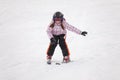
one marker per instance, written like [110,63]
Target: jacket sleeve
[49,31]
[72,28]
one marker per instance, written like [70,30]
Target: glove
[84,33]
[53,41]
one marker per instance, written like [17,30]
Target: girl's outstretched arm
[71,28]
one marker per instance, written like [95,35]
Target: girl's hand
[53,41]
[84,33]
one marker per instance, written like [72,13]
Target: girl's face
[57,20]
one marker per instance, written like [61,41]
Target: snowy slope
[23,40]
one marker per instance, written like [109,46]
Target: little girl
[56,32]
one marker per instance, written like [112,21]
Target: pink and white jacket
[57,29]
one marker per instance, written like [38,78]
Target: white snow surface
[24,41]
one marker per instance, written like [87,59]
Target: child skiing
[56,32]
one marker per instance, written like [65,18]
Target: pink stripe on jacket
[57,30]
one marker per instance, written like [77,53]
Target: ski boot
[49,59]
[66,59]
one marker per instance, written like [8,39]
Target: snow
[23,40]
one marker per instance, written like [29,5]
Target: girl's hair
[52,25]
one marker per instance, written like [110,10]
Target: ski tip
[57,63]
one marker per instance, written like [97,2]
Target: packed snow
[24,41]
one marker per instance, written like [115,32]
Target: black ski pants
[61,41]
